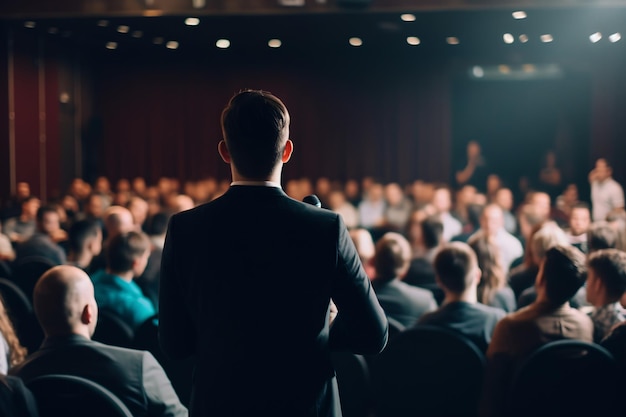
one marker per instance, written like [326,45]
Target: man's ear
[223,151]
[87,315]
[287,151]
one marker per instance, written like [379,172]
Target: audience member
[7,253]
[364,245]
[442,202]
[138,207]
[458,275]
[126,258]
[12,352]
[85,243]
[606,193]
[493,289]
[550,175]
[476,170]
[372,208]
[601,235]
[504,198]
[401,301]
[338,203]
[549,318]
[42,243]
[606,283]
[19,229]
[67,311]
[579,223]
[421,272]
[398,208]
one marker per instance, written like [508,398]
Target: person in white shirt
[442,202]
[606,193]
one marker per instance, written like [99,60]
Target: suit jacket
[132,375]
[404,302]
[246,282]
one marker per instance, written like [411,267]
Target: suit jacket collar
[54,342]
[251,190]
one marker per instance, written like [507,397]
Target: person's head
[561,274]
[473,149]
[456,267]
[128,252]
[102,185]
[139,186]
[606,276]
[546,237]
[491,264]
[16,352]
[542,202]
[30,205]
[603,169]
[494,183]
[442,199]
[123,185]
[255,125]
[393,194]
[139,209]
[351,189]
[96,205]
[64,302]
[492,219]
[601,235]
[579,219]
[158,224]
[336,199]
[364,244]
[375,192]
[22,190]
[432,232]
[48,220]
[392,257]
[504,198]
[85,236]
[118,219]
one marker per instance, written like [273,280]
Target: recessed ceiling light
[274,43]
[103,23]
[111,45]
[519,14]
[452,40]
[407,17]
[137,34]
[508,38]
[504,69]
[123,29]
[615,37]
[171,45]
[30,24]
[528,68]
[355,41]
[222,43]
[547,38]
[192,21]
[413,40]
[478,71]
[595,37]
[157,41]
[523,38]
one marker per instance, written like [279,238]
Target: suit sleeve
[361,325]
[177,335]
[162,399]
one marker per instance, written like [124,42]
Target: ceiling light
[519,15]
[595,37]
[171,45]
[123,29]
[615,37]
[137,34]
[111,45]
[547,38]
[504,69]
[30,24]
[478,71]
[407,17]
[157,41]
[192,21]
[222,43]
[452,40]
[413,40]
[103,23]
[528,68]
[356,41]
[274,43]
[523,38]
[508,38]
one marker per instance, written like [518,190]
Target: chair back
[27,272]
[566,378]
[20,311]
[395,327]
[427,371]
[111,329]
[353,380]
[72,396]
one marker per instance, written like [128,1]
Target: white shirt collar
[257,183]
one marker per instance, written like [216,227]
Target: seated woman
[11,351]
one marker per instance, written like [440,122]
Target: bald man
[67,311]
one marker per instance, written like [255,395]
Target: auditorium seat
[20,311]
[113,330]
[427,371]
[72,396]
[27,272]
[353,380]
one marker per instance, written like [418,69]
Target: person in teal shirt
[126,257]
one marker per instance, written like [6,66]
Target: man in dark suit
[247,282]
[67,311]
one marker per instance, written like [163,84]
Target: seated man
[399,300]
[67,311]
[85,242]
[126,257]
[606,283]
[43,242]
[458,274]
[549,318]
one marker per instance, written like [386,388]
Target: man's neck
[274,177]
[82,260]
[468,296]
[126,276]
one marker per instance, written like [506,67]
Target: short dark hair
[41,211]
[601,235]
[123,249]
[453,265]
[392,256]
[564,272]
[252,124]
[432,231]
[80,231]
[609,266]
